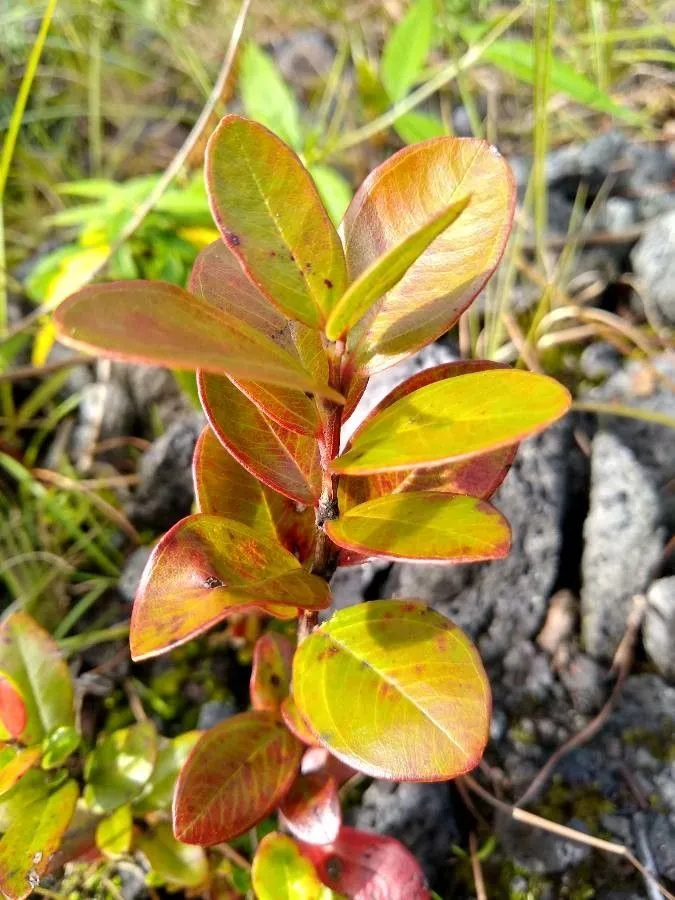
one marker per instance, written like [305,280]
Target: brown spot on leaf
[232,239]
[213,582]
[328,283]
[327,652]
[275,681]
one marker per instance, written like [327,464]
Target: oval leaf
[425,526]
[281,872]
[235,775]
[219,280]
[284,461]
[311,809]
[14,764]
[454,419]
[155,323]
[13,712]
[387,270]
[270,214]
[225,488]
[31,661]
[271,672]
[394,201]
[114,832]
[171,754]
[119,767]
[478,476]
[395,690]
[204,569]
[38,820]
[173,863]
[366,866]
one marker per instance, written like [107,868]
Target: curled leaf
[271,671]
[206,568]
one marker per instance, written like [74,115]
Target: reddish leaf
[218,278]
[395,690]
[397,199]
[235,775]
[286,462]
[161,324]
[271,672]
[311,809]
[366,866]
[424,526]
[225,488]
[206,568]
[13,713]
[270,214]
[478,476]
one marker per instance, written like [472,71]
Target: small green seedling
[285,319]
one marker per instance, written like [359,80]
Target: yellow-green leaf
[407,49]
[270,214]
[37,819]
[387,270]
[119,767]
[455,418]
[444,528]
[281,872]
[175,864]
[15,763]
[114,832]
[157,794]
[395,690]
[33,662]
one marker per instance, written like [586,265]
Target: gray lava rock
[653,260]
[132,880]
[155,394]
[506,599]
[350,584]
[537,851]
[591,162]
[214,711]
[584,679]
[662,844]
[633,385]
[419,815]
[106,410]
[618,215]
[165,492]
[659,626]
[132,572]
[623,543]
[305,58]
[599,360]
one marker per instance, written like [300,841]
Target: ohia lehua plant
[285,319]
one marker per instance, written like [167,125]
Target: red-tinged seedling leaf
[15,763]
[311,809]
[294,721]
[271,672]
[225,488]
[175,864]
[454,419]
[395,200]
[366,866]
[31,662]
[119,767]
[38,818]
[424,527]
[157,795]
[235,775]
[478,476]
[387,270]
[13,713]
[218,279]
[281,872]
[155,323]
[206,568]
[284,461]
[270,214]
[395,690]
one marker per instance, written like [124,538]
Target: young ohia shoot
[285,320]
